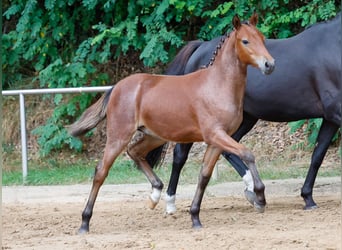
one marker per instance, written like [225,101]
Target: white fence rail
[21,94]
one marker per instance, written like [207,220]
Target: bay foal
[202,106]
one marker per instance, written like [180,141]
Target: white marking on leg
[155,196]
[170,204]
[249,191]
[248,180]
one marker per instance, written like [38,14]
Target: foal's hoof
[82,231]
[258,207]
[151,203]
[197,225]
[250,196]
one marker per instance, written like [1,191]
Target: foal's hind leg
[118,137]
[138,151]
[101,172]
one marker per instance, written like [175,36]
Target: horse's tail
[177,66]
[91,116]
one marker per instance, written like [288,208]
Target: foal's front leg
[211,155]
[228,144]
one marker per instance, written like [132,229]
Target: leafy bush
[311,129]
[65,43]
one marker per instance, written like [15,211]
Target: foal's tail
[91,116]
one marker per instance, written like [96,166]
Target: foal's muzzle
[267,66]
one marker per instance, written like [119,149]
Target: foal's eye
[245,42]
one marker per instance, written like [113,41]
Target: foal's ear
[254,19]
[236,22]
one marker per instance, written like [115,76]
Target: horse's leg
[211,155]
[138,151]
[326,133]
[101,172]
[154,157]
[246,125]
[180,155]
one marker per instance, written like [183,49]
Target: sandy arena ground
[48,217]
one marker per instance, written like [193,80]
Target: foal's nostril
[269,67]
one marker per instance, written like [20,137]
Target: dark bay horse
[306,84]
[202,106]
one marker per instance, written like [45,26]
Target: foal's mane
[219,46]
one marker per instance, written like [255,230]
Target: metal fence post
[23,92]
[23,136]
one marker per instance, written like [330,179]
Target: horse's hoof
[170,211]
[170,204]
[250,196]
[312,207]
[151,203]
[259,208]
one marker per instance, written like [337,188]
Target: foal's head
[250,45]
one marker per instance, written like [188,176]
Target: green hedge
[65,43]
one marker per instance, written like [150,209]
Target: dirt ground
[48,217]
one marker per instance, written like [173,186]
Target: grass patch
[56,171]
[53,172]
